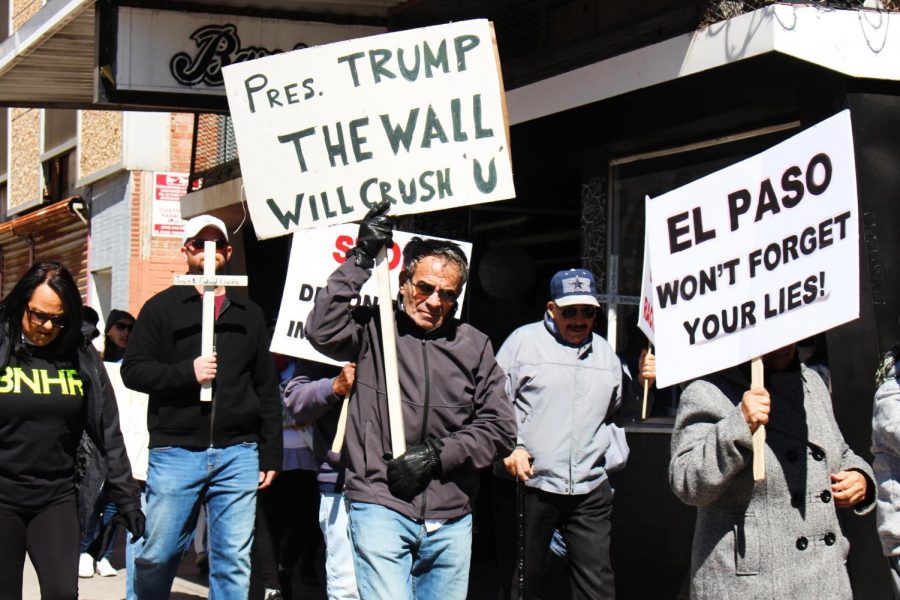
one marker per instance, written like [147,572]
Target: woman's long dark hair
[58,278]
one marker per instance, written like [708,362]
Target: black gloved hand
[410,474]
[375,232]
[135,523]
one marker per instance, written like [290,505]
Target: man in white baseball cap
[218,453]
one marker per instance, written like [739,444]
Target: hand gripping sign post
[755,257]
[210,281]
[314,255]
[417,117]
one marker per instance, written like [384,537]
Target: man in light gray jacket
[565,383]
[886,448]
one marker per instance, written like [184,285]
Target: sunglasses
[40,318]
[198,245]
[588,312]
[123,326]
[425,290]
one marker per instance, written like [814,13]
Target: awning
[51,61]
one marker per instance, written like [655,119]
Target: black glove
[135,523]
[409,475]
[375,232]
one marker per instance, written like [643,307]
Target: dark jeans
[287,527]
[51,538]
[585,523]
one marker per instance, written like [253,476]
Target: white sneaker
[85,565]
[104,569]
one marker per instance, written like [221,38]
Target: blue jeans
[396,558]
[340,581]
[99,520]
[178,480]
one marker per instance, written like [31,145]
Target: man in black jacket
[218,452]
[410,515]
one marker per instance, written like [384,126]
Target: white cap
[197,224]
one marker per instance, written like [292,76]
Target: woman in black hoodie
[53,390]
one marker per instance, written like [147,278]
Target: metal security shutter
[51,233]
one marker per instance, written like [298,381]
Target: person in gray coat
[777,538]
[886,448]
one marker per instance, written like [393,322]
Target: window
[60,130]
[653,174]
[59,177]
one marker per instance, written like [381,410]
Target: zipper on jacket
[424,432]
[212,413]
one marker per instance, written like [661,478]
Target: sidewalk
[189,584]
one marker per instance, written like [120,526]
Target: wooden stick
[338,444]
[646,384]
[759,436]
[389,351]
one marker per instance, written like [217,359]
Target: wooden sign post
[210,281]
[759,436]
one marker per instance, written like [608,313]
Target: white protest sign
[315,254]
[417,117]
[132,421]
[756,256]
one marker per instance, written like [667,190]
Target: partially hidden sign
[314,257]
[755,256]
[417,117]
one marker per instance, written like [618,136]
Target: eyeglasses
[198,245]
[40,318]
[588,312]
[123,326]
[425,290]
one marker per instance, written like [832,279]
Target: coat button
[802,543]
[825,496]
[797,500]
[818,454]
[830,538]
[793,455]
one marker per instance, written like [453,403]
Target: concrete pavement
[189,585]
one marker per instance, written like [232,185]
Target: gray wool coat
[776,538]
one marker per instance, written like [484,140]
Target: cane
[520,551]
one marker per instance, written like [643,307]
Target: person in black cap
[119,324]
[566,383]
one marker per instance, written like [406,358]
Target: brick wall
[182,131]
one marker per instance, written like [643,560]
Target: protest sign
[756,256]
[417,117]
[314,257]
[132,420]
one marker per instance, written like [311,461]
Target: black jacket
[101,458]
[159,361]
[451,388]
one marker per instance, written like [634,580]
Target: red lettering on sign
[648,312]
[343,243]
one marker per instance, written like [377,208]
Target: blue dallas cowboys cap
[574,286]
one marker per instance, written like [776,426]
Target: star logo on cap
[575,284]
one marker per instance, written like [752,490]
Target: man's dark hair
[417,249]
[12,308]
